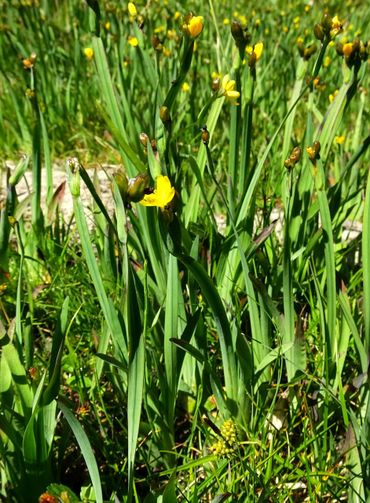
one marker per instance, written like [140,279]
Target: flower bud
[319,32]
[326,23]
[122,183]
[156,43]
[164,115]
[137,187]
[144,138]
[296,154]
[205,135]
[317,148]
[339,48]
[309,51]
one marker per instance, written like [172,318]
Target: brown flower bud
[164,115]
[319,32]
[137,187]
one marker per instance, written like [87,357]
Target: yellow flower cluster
[228,431]
[225,446]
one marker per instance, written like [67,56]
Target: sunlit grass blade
[106,304]
[136,368]
[86,450]
[366,264]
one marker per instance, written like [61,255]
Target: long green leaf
[86,450]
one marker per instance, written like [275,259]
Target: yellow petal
[258,48]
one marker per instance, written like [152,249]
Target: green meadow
[184,251]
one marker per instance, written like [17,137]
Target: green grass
[216,349]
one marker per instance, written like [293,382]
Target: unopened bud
[144,138]
[205,135]
[122,183]
[317,148]
[326,23]
[164,115]
[309,51]
[319,32]
[75,184]
[156,43]
[137,186]
[296,154]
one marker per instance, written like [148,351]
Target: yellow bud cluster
[225,446]
[228,431]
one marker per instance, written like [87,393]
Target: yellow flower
[159,29]
[131,7]
[185,87]
[327,61]
[171,34]
[166,52]
[89,53]
[162,195]
[194,26]
[336,26]
[339,140]
[228,90]
[332,96]
[257,49]
[133,41]
[177,15]
[348,49]
[226,21]
[107,26]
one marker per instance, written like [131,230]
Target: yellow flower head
[332,96]
[336,26]
[339,140]
[228,90]
[185,87]
[348,49]
[162,194]
[193,26]
[255,51]
[133,41]
[89,53]
[131,7]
